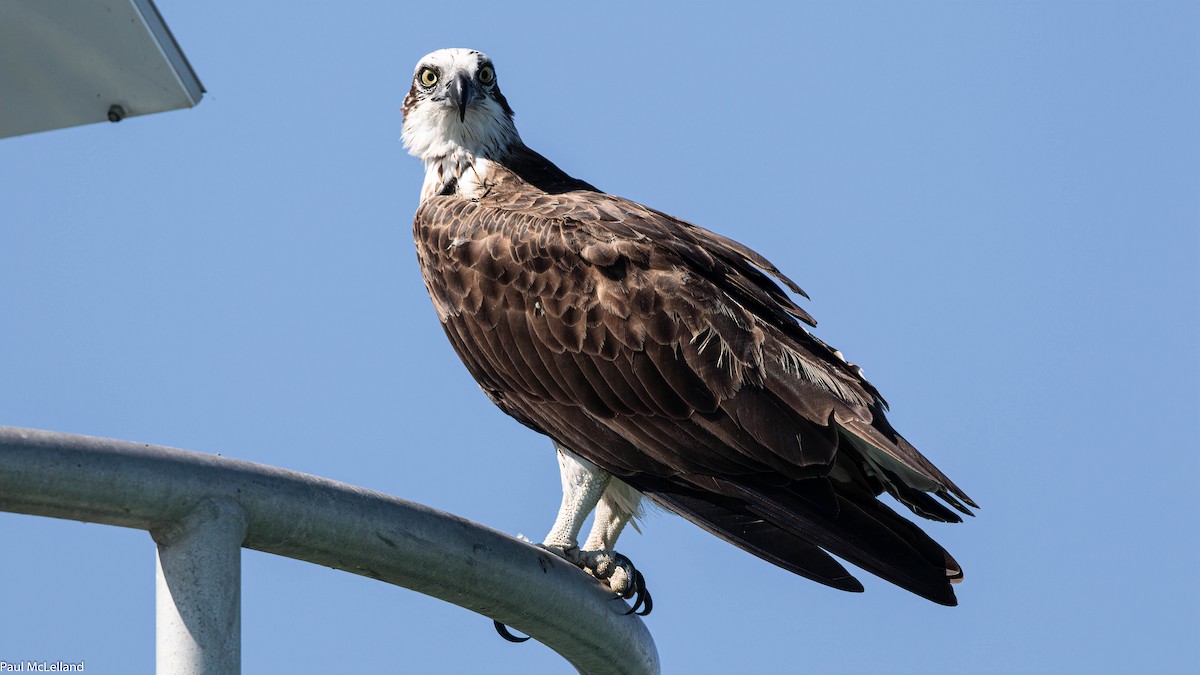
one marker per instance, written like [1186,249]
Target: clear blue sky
[995,207]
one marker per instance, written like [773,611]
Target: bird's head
[455,106]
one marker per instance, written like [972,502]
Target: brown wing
[663,353]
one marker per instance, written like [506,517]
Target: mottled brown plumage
[660,352]
[663,353]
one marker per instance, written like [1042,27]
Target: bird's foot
[613,570]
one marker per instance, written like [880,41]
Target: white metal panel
[69,62]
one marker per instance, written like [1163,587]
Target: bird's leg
[582,485]
[587,487]
[617,507]
[610,520]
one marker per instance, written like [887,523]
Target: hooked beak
[461,91]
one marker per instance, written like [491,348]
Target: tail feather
[730,521]
[949,499]
[919,502]
[785,526]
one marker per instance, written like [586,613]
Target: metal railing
[201,509]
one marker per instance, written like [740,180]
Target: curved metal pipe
[333,524]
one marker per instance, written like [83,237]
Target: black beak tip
[462,92]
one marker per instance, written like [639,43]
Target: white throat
[457,154]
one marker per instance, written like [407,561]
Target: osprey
[659,357]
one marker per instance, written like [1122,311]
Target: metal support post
[198,593]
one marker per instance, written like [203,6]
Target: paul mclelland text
[40,667]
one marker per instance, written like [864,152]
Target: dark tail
[796,525]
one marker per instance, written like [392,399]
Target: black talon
[649,604]
[643,596]
[504,633]
[637,602]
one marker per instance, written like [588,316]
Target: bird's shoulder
[532,219]
[570,251]
[529,212]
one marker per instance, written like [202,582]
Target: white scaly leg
[587,487]
[619,505]
[582,485]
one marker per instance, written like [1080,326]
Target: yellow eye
[487,74]
[427,77]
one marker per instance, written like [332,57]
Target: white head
[455,108]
